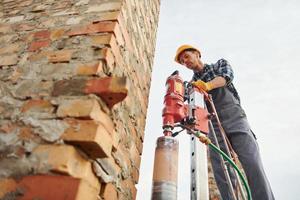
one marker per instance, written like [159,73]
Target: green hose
[216,149]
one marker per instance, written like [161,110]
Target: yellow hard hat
[183,48]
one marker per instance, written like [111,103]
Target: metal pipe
[165,172]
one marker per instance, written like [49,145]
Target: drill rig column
[164,186]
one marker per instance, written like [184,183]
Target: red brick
[111,90]
[66,188]
[36,45]
[65,159]
[92,137]
[109,192]
[100,27]
[45,34]
[60,56]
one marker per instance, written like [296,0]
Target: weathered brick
[9,60]
[121,156]
[48,187]
[93,68]
[85,108]
[12,48]
[60,56]
[125,33]
[7,127]
[101,39]
[45,34]
[39,56]
[129,185]
[111,89]
[106,55]
[106,16]
[135,174]
[5,28]
[34,89]
[110,167]
[135,156]
[109,191]
[106,6]
[57,34]
[37,105]
[92,137]
[100,27]
[65,159]
[73,20]
[7,186]
[36,45]
[82,108]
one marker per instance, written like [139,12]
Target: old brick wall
[74,85]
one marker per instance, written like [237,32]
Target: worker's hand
[204,86]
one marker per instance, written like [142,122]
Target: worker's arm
[223,75]
[217,82]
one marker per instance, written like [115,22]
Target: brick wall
[74,85]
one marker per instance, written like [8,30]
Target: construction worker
[216,79]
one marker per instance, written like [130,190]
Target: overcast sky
[261,40]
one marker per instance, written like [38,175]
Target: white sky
[261,40]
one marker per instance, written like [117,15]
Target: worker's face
[191,59]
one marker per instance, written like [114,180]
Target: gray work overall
[243,141]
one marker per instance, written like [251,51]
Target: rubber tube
[216,149]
